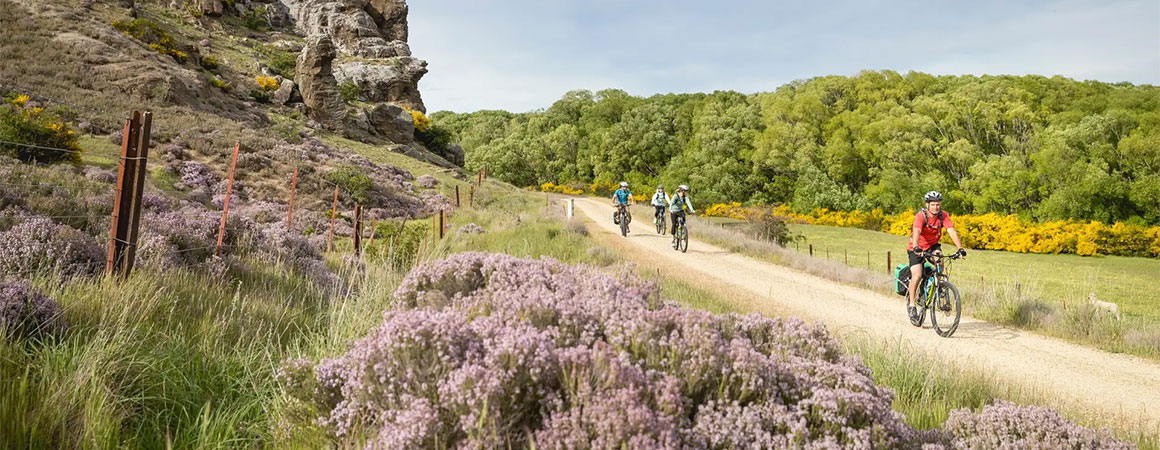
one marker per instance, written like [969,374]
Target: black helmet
[932,196]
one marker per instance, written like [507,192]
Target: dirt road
[1110,388]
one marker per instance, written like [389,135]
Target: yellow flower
[20,100]
[266,83]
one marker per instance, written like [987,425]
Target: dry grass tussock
[737,240]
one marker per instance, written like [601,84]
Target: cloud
[522,55]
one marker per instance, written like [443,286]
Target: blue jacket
[622,195]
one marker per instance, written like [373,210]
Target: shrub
[210,63]
[576,226]
[32,126]
[398,241]
[1006,425]
[219,83]
[152,35]
[769,227]
[26,312]
[508,352]
[266,84]
[260,96]
[255,18]
[353,182]
[37,244]
[279,61]
[349,91]
[421,121]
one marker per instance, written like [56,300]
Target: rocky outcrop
[393,80]
[361,43]
[317,84]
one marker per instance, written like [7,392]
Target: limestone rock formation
[362,42]
[317,84]
[393,80]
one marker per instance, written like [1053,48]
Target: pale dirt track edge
[1109,388]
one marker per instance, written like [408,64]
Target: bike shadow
[985,330]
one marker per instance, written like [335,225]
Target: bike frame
[935,279]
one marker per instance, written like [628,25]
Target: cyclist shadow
[985,330]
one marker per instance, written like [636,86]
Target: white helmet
[623,184]
[932,196]
[682,188]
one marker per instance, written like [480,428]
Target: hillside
[1043,148]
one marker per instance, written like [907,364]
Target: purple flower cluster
[492,351]
[27,312]
[470,228]
[195,175]
[1005,425]
[36,243]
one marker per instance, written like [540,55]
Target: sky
[522,55]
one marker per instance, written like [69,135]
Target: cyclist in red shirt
[924,237]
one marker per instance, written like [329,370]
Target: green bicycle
[938,295]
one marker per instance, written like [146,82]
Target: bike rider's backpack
[902,278]
[616,218]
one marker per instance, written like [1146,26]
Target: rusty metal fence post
[226,203]
[333,212]
[357,229]
[293,187]
[126,218]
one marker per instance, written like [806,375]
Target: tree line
[1043,148]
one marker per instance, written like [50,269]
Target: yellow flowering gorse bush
[266,84]
[986,231]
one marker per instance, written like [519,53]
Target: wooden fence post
[293,187]
[333,213]
[442,220]
[457,196]
[846,254]
[471,197]
[357,229]
[126,218]
[226,204]
[827,252]
[811,249]
[867,259]
[889,266]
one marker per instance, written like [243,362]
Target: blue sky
[521,55]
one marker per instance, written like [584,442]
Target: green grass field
[1127,282]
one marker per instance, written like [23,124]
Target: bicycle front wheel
[946,309]
[661,224]
[683,243]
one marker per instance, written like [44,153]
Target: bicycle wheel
[623,224]
[945,310]
[661,224]
[684,242]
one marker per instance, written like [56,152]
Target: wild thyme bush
[36,244]
[26,312]
[491,351]
[1007,425]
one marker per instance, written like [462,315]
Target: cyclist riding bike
[659,201]
[621,199]
[677,206]
[924,239]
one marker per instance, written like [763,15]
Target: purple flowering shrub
[490,350]
[27,312]
[470,228]
[1006,425]
[36,243]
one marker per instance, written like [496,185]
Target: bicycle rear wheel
[945,310]
[623,224]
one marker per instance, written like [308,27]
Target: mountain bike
[938,295]
[681,237]
[660,220]
[622,218]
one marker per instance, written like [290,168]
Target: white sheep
[1108,307]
